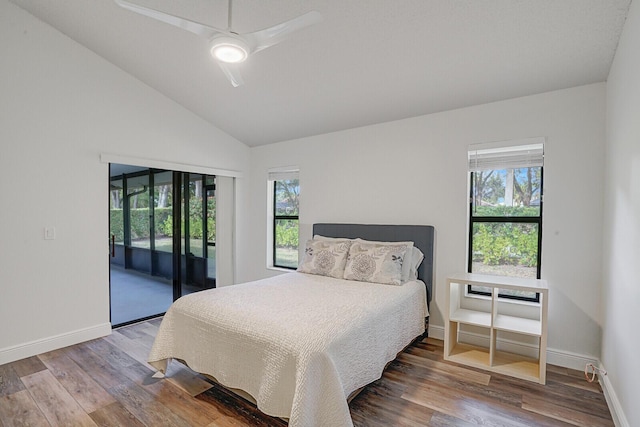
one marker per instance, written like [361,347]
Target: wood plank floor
[106,382]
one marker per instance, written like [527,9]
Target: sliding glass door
[198,232]
[210,235]
[162,226]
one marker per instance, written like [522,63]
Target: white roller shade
[225,227]
[283,174]
[524,153]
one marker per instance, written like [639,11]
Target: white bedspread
[298,343]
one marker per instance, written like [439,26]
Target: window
[505,212]
[285,186]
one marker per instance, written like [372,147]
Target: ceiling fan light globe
[229,50]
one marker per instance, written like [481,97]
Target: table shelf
[490,358]
[518,325]
[471,317]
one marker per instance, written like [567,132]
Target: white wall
[61,106]
[414,172]
[621,290]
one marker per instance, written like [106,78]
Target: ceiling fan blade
[177,21]
[267,37]
[232,72]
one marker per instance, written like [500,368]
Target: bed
[299,344]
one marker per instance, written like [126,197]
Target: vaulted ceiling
[368,61]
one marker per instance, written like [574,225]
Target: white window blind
[517,154]
[284,174]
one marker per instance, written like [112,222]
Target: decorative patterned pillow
[325,257]
[406,261]
[375,262]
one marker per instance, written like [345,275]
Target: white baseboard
[568,359]
[619,419]
[32,348]
[436,332]
[554,357]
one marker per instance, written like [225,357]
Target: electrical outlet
[49,233]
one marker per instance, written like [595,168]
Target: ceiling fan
[227,46]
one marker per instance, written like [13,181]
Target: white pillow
[416,259]
[325,257]
[375,262]
[406,264]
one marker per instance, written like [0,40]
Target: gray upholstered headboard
[420,235]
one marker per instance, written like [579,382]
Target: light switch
[49,233]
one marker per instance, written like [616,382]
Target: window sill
[281,269]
